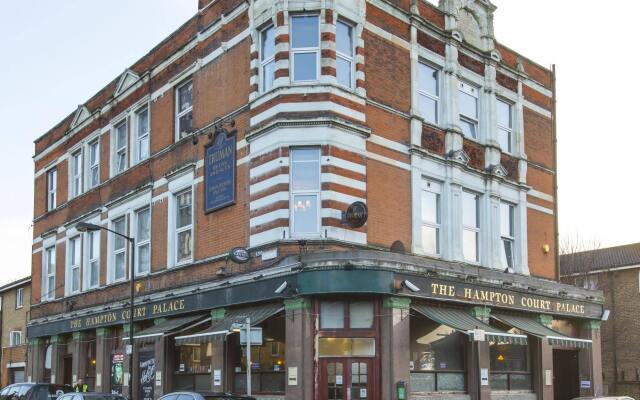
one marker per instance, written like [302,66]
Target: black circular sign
[239,255]
[357,214]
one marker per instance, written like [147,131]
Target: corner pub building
[372,183]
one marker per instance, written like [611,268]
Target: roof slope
[593,260]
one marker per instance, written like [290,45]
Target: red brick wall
[541,232]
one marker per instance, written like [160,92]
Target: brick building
[271,129]
[616,272]
[15,299]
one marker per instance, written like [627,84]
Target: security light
[410,286]
[282,287]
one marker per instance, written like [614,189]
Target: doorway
[67,367]
[346,379]
[566,375]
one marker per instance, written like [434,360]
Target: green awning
[168,327]
[535,328]
[465,323]
[221,328]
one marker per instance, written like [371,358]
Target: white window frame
[177,231]
[88,260]
[468,88]
[476,229]
[507,129]
[510,237]
[179,114]
[95,165]
[303,50]
[52,188]
[49,254]
[264,62]
[307,192]
[435,187]
[114,252]
[424,93]
[350,58]
[12,341]
[19,298]
[76,161]
[139,139]
[71,266]
[142,243]
[117,150]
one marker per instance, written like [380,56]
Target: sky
[56,55]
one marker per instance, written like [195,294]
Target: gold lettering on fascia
[168,306]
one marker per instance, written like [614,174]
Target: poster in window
[117,373]
[220,172]
[146,375]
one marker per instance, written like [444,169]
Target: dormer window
[305,47]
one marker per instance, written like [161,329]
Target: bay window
[74,265]
[93,257]
[267,57]
[184,110]
[49,281]
[305,191]
[119,249]
[505,125]
[52,187]
[344,54]
[507,234]
[305,47]
[93,166]
[121,153]
[431,216]
[428,92]
[143,241]
[142,134]
[470,226]
[76,173]
[468,104]
[184,226]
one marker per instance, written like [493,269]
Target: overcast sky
[56,55]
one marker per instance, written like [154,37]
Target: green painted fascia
[345,281]
[399,303]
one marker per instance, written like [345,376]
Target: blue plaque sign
[220,173]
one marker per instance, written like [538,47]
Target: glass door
[345,379]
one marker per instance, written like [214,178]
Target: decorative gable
[127,79]
[82,113]
[470,21]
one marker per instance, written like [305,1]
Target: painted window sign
[220,173]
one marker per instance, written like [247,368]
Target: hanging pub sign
[220,172]
[239,255]
[146,375]
[356,214]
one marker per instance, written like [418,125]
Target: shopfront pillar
[58,350]
[219,372]
[590,361]
[542,362]
[479,360]
[35,360]
[79,360]
[104,348]
[129,370]
[299,338]
[395,346]
[164,364]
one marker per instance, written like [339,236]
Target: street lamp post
[87,227]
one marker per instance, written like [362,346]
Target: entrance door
[566,376]
[346,379]
[67,367]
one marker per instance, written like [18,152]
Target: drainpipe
[555,171]
[613,330]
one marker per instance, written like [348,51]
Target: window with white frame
[468,104]
[49,276]
[507,215]
[119,249]
[93,164]
[431,216]
[267,57]
[74,265]
[93,259]
[305,47]
[76,173]
[184,226]
[428,92]
[52,187]
[142,134]
[143,241]
[15,338]
[19,298]
[505,125]
[470,226]
[345,54]
[184,110]
[121,155]
[305,191]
